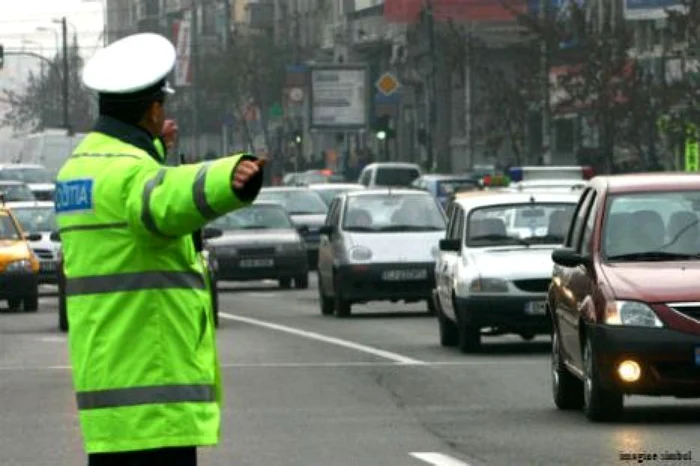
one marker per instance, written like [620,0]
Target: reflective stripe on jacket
[142,341]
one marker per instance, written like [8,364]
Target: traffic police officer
[142,340]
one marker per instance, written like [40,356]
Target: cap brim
[167,89]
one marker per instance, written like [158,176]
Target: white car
[36,177]
[492,274]
[378,245]
[40,217]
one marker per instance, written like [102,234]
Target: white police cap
[130,65]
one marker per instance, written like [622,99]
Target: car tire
[343,307]
[432,310]
[599,404]
[285,283]
[469,335]
[301,282]
[15,304]
[325,303]
[567,390]
[31,302]
[449,331]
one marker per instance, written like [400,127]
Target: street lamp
[55,36]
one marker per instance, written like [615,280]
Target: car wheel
[285,283]
[449,332]
[567,390]
[432,310]
[301,282]
[599,404]
[15,304]
[325,303]
[31,302]
[469,335]
[343,307]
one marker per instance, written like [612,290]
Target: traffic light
[2,56]
[383,129]
[297,137]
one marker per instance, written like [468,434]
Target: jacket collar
[127,133]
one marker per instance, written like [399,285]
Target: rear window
[396,176]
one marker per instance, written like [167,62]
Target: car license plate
[404,275]
[48,266]
[697,356]
[257,263]
[536,308]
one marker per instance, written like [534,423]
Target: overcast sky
[20,20]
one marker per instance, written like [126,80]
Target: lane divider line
[438,459]
[398,358]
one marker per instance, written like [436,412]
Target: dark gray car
[305,207]
[260,242]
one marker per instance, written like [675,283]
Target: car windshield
[393,212]
[652,226]
[8,229]
[449,187]
[530,223]
[26,175]
[296,202]
[17,193]
[328,194]
[254,218]
[395,176]
[36,219]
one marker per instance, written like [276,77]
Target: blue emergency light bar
[518,174]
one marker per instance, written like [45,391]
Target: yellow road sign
[387,84]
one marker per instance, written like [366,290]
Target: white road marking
[53,339]
[282,365]
[325,339]
[438,459]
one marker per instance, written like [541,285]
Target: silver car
[39,218]
[379,245]
[256,243]
[328,191]
[306,208]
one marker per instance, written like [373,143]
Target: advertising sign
[339,97]
[649,9]
[183,45]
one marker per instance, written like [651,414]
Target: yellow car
[19,267]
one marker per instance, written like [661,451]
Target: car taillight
[587,172]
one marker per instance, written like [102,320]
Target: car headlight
[488,285]
[19,266]
[631,313]
[360,253]
[289,247]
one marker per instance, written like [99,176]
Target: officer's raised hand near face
[245,171]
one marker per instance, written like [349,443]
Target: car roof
[374,191]
[273,189]
[457,176]
[336,186]
[392,165]
[505,198]
[645,182]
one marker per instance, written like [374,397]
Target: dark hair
[131,108]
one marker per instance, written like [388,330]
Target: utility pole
[544,70]
[432,98]
[66,78]
[194,63]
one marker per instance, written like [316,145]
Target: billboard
[183,45]
[408,11]
[339,97]
[649,9]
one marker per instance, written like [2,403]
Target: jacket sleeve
[169,202]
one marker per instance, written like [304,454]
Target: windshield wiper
[500,238]
[303,212]
[653,256]
[547,239]
[253,227]
[409,228]
[359,229]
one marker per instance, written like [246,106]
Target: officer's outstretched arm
[170,202]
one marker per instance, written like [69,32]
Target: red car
[625,294]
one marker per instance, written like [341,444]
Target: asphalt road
[372,390]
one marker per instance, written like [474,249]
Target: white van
[50,148]
[389,174]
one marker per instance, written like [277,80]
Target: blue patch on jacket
[74,196]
